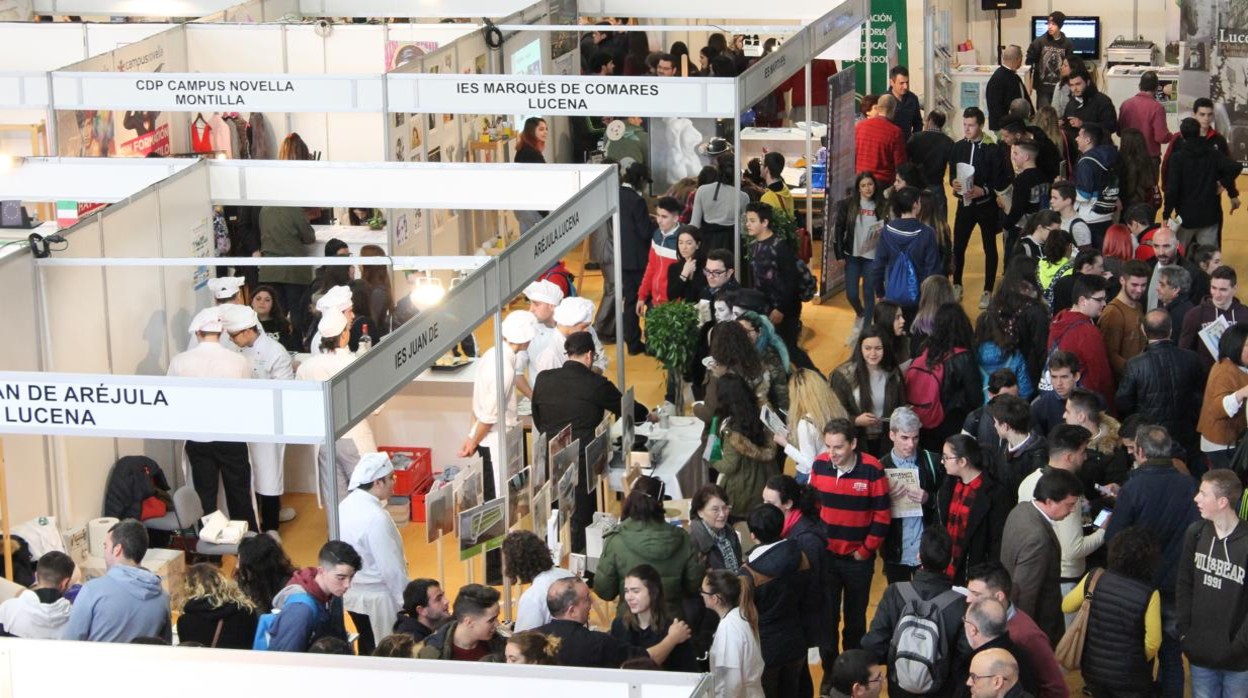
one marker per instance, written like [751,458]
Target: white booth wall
[117,320]
[40,48]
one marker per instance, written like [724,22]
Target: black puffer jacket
[133,479]
[1113,653]
[1164,385]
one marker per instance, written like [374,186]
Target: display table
[681,455]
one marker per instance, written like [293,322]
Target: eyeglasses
[706,593]
[946,459]
[974,677]
[715,272]
[1098,299]
[875,679]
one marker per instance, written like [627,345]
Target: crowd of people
[1054,485]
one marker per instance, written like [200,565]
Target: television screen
[1084,33]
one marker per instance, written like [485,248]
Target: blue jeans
[1170,655]
[1213,683]
[858,272]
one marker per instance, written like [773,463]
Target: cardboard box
[169,565]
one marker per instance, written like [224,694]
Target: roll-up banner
[157,407]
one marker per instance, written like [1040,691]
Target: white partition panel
[214,48]
[85,179]
[25,456]
[30,663]
[407,8]
[132,8]
[393,185]
[728,9]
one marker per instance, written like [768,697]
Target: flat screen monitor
[1084,33]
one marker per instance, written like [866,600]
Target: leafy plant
[672,337]
[378,220]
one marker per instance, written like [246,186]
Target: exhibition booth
[134,274]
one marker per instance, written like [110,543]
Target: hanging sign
[773,69]
[80,404]
[559,94]
[218,92]
[559,232]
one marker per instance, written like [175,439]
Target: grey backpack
[918,654]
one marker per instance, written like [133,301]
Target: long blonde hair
[205,581]
[811,397]
[1046,119]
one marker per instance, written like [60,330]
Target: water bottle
[366,341]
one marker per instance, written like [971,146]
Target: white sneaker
[854,332]
[957,293]
[287,514]
[275,536]
[983,300]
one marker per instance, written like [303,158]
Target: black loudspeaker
[990,5]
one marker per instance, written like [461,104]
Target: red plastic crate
[418,502]
[408,481]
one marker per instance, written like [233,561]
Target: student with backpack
[907,254]
[943,383]
[310,607]
[917,629]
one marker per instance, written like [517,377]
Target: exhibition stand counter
[28,664]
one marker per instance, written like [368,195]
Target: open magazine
[773,420]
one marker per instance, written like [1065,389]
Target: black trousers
[628,296]
[270,511]
[366,643]
[586,504]
[226,462]
[849,591]
[493,558]
[988,218]
[783,680]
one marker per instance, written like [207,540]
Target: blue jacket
[1160,498]
[912,236]
[1094,173]
[991,359]
[297,625]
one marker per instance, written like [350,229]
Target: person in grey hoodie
[128,601]
[1210,597]
[39,613]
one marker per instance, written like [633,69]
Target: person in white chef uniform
[544,296]
[269,361]
[337,298]
[226,291]
[483,438]
[216,463]
[574,314]
[334,331]
[376,593]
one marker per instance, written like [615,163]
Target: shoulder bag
[1069,650]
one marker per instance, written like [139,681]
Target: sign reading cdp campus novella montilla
[227,92]
[559,94]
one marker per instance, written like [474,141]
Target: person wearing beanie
[269,360]
[1045,55]
[334,330]
[215,463]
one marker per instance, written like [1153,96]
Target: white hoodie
[27,617]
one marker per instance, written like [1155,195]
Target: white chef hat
[236,318]
[519,326]
[372,467]
[207,320]
[225,287]
[332,323]
[544,291]
[337,298]
[574,310]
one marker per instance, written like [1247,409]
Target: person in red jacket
[1074,330]
[878,142]
[663,254]
[853,491]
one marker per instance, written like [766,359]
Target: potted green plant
[378,221]
[671,337]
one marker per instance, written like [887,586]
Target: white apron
[268,471]
[374,601]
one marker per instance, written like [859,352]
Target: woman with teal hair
[774,355]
